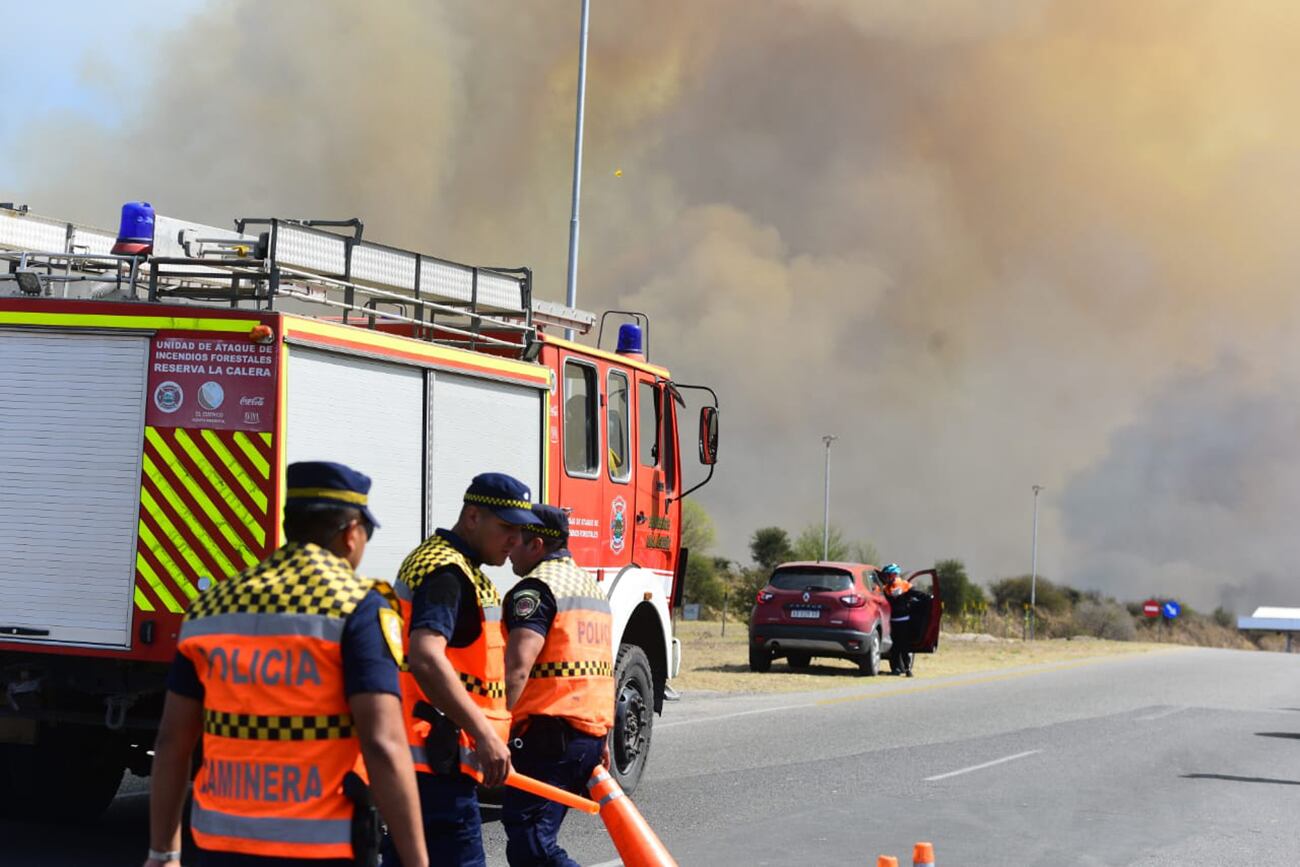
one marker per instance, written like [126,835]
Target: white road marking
[686,722]
[983,766]
[617,862]
[1162,714]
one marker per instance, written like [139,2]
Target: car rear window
[811,579]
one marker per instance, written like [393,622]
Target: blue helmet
[891,569]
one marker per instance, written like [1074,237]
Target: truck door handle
[640,517]
[23,630]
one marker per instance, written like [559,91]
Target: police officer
[559,685]
[289,672]
[904,618]
[454,693]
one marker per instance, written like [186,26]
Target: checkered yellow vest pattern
[573,676]
[277,735]
[481,665]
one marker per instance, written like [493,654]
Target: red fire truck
[154,385]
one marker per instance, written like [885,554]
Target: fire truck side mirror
[709,435]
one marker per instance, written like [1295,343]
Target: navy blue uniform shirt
[368,664]
[446,602]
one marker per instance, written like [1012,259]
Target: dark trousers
[900,654]
[555,754]
[453,828]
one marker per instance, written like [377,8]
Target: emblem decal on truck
[168,396]
[617,525]
[211,395]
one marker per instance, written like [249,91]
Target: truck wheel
[629,746]
[69,776]
[759,659]
[11,792]
[799,660]
[869,665]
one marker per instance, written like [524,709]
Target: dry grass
[716,663]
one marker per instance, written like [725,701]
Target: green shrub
[1104,619]
[1012,595]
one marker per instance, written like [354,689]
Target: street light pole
[1033,573]
[571,284]
[826,506]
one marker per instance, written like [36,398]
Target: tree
[770,546]
[703,583]
[748,583]
[809,544]
[960,594]
[698,533]
[865,552]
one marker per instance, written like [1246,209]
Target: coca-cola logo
[256,400]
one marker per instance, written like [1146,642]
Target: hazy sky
[987,244]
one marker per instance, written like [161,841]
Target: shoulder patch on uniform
[526,603]
[390,624]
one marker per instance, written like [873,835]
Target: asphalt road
[1182,757]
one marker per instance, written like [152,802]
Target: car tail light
[764,596]
[853,600]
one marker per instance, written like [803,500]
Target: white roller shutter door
[71,427]
[370,416]
[480,426]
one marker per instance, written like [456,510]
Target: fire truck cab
[157,382]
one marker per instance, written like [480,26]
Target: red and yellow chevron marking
[204,498]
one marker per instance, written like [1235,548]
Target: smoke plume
[986,244]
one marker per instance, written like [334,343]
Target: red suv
[830,609]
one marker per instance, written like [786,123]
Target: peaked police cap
[505,496]
[554,521]
[325,483]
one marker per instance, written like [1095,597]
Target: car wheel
[869,665]
[633,717]
[799,660]
[759,659]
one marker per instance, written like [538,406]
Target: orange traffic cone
[923,855]
[637,845]
[886,861]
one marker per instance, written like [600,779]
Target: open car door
[927,581]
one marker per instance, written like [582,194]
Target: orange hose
[552,793]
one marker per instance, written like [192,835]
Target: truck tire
[634,698]
[759,659]
[799,660]
[69,776]
[869,665]
[11,792]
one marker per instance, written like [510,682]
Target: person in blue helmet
[904,618]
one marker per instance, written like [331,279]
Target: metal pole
[1033,573]
[571,285]
[726,591]
[826,506]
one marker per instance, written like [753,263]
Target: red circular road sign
[1151,608]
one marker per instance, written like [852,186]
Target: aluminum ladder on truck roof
[275,263]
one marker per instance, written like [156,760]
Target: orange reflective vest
[898,588]
[481,665]
[897,591]
[277,735]
[573,676]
